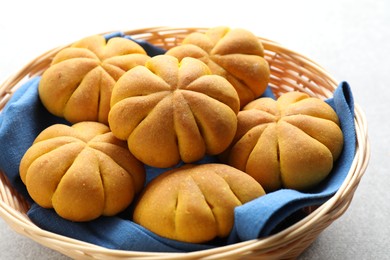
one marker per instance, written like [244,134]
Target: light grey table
[350,39]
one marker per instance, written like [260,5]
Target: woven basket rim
[289,242]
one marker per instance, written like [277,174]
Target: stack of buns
[127,110]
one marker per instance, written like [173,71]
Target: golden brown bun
[195,203]
[170,111]
[291,142]
[79,81]
[235,54]
[81,171]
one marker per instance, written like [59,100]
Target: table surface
[350,39]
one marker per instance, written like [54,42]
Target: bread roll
[195,203]
[81,171]
[235,54]
[171,111]
[78,84]
[288,143]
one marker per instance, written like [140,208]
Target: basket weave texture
[289,71]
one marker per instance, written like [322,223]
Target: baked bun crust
[78,84]
[195,203]
[170,111]
[81,171]
[235,54]
[290,143]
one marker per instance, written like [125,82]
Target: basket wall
[289,71]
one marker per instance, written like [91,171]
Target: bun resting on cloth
[195,203]
[78,84]
[170,111]
[290,142]
[236,54]
[81,171]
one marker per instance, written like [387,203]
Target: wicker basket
[289,71]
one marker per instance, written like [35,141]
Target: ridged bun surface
[170,111]
[235,54]
[82,171]
[195,203]
[78,83]
[290,142]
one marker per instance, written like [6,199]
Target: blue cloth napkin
[24,117]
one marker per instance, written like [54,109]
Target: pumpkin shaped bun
[82,171]
[290,142]
[195,203]
[78,83]
[235,54]
[170,111]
